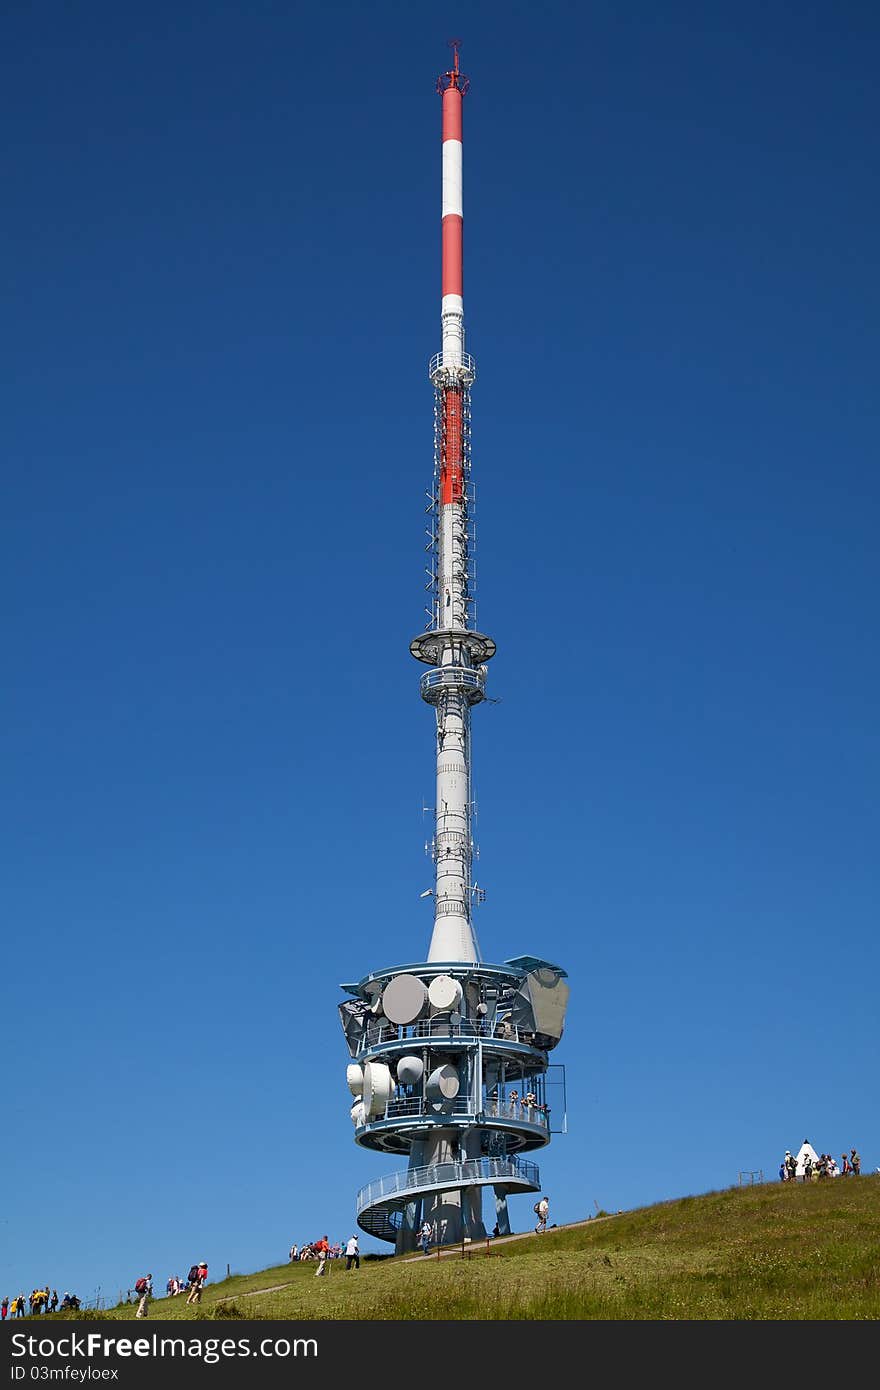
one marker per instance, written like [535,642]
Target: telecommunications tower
[450,1064]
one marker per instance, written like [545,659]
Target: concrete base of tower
[502,1216]
[472,1197]
[442,1210]
[454,1214]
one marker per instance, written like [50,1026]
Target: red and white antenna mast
[451,647]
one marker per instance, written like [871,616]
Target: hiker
[855,1162]
[322,1246]
[4,1308]
[143,1287]
[294,1251]
[542,1207]
[425,1237]
[352,1254]
[194,1284]
[53,1301]
[845,1169]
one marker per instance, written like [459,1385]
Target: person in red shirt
[321,1246]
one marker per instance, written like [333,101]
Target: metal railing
[493,1109]
[410,1181]
[442,1027]
[468,367]
[471,680]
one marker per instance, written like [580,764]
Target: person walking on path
[425,1237]
[542,1208]
[322,1246]
[197,1275]
[143,1287]
[352,1254]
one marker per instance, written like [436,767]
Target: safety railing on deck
[493,1109]
[442,1027]
[448,1175]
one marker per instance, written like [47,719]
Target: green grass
[775,1251]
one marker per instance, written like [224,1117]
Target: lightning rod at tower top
[450,1065]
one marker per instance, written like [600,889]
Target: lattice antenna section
[433,609]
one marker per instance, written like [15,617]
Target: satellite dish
[404,999]
[410,1070]
[377,1089]
[354,1075]
[444,993]
[443,1083]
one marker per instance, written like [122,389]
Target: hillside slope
[774,1251]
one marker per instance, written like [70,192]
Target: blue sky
[221,270]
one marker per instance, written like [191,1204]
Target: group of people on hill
[39,1301]
[808,1166]
[322,1251]
[195,1282]
[191,1285]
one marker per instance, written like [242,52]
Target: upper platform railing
[466,370]
[442,1027]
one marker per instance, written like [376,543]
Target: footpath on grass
[485,1247]
[476,1247]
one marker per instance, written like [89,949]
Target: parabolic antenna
[354,1075]
[404,999]
[377,1088]
[444,993]
[443,1083]
[410,1070]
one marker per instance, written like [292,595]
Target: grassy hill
[775,1251]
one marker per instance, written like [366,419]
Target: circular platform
[430,646]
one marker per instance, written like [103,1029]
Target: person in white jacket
[542,1208]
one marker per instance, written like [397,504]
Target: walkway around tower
[381,1204]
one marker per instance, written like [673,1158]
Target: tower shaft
[457,687]
[449,1056]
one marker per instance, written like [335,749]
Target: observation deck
[469,681]
[380,1204]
